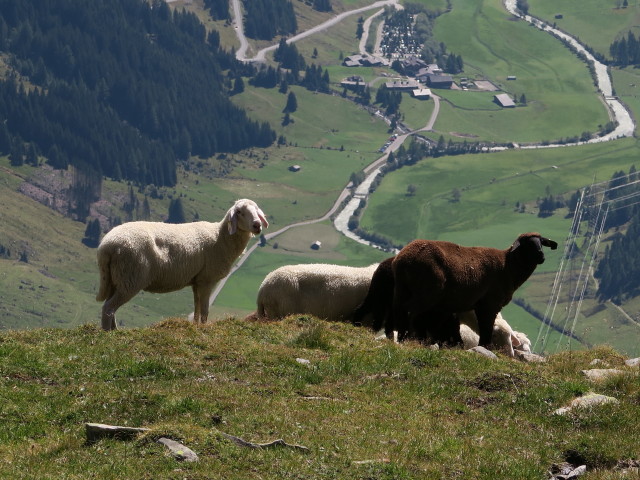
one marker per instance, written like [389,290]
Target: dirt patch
[486,86]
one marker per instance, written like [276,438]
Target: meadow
[360,407]
[578,18]
[331,138]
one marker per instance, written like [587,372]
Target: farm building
[504,100]
[421,93]
[412,64]
[439,81]
[295,168]
[353,82]
[402,84]
[431,69]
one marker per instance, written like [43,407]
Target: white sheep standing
[503,336]
[330,292]
[161,257]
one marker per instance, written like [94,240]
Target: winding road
[241,53]
[618,112]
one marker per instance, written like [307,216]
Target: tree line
[292,70]
[625,51]
[619,266]
[123,88]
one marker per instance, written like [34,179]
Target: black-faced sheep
[436,276]
[160,257]
[331,292]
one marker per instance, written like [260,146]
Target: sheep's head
[247,216]
[530,245]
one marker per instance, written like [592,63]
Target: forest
[619,266]
[264,19]
[120,88]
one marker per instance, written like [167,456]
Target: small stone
[529,357]
[589,400]
[96,431]
[483,351]
[581,470]
[179,451]
[303,361]
[592,399]
[633,362]
[600,374]
[597,361]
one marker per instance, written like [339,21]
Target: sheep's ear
[515,245]
[233,220]
[263,218]
[548,243]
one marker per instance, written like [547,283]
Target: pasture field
[493,188]
[415,113]
[490,186]
[561,96]
[361,408]
[596,22]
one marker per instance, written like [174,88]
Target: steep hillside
[355,407]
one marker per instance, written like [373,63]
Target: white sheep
[161,257]
[503,337]
[331,292]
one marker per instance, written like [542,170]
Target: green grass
[579,19]
[560,93]
[363,408]
[491,186]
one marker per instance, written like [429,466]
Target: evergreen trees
[123,87]
[292,103]
[219,9]
[176,211]
[625,51]
[618,269]
[322,5]
[264,19]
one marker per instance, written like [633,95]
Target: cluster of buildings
[421,78]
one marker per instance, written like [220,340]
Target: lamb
[436,276]
[503,337]
[331,292]
[159,257]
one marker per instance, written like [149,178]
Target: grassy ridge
[363,408]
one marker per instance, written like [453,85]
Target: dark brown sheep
[378,301]
[375,311]
[442,277]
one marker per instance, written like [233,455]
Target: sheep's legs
[201,294]
[486,320]
[111,305]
